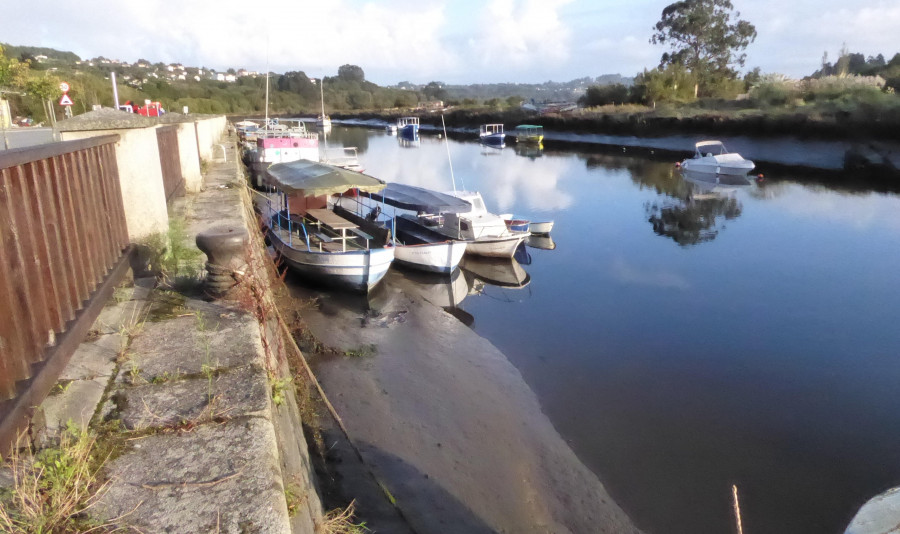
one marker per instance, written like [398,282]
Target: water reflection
[544,242]
[697,216]
[408,143]
[529,150]
[347,137]
[500,272]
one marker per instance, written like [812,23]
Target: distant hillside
[34,51]
[547,91]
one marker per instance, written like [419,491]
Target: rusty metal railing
[63,247]
[170,161]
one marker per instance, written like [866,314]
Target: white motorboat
[415,246]
[486,232]
[315,241]
[713,157]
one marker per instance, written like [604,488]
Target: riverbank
[849,151]
[448,424]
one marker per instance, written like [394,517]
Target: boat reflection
[408,143]
[439,289]
[544,242]
[492,150]
[708,201]
[500,272]
[529,150]
[522,255]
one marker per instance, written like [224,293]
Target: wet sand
[449,425]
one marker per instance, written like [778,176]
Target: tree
[703,38]
[434,91]
[351,73]
[13,73]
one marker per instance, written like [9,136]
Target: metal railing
[63,247]
[170,161]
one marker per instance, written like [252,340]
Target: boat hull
[543,227]
[410,131]
[496,247]
[494,139]
[443,257]
[358,270]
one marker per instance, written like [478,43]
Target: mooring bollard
[226,252]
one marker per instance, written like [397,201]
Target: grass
[173,256]
[340,521]
[279,386]
[361,352]
[54,488]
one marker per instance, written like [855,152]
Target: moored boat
[281,141]
[713,157]
[415,246]
[529,133]
[408,127]
[492,134]
[314,240]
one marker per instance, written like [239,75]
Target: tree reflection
[346,137]
[697,217]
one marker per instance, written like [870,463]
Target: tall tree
[351,73]
[703,38]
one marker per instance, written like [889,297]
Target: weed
[61,387]
[294,498]
[361,352]
[340,521]
[279,385]
[172,253]
[53,488]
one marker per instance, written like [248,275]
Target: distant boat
[345,158]
[391,129]
[315,241]
[529,133]
[492,134]
[408,128]
[713,157]
[280,141]
[521,224]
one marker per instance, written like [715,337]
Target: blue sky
[454,41]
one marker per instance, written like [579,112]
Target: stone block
[216,478]
[76,401]
[94,358]
[183,345]
[235,393]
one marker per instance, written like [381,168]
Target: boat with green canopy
[528,133]
[325,245]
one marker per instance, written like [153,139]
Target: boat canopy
[527,127]
[316,179]
[410,197]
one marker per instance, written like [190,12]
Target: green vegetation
[54,487]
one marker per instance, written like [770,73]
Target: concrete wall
[209,133]
[140,177]
[190,161]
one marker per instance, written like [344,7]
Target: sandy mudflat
[450,426]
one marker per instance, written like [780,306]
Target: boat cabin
[529,133]
[491,129]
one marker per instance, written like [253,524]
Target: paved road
[22,137]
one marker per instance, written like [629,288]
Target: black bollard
[226,252]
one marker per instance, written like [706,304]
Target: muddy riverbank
[447,423]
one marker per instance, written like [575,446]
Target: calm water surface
[684,338]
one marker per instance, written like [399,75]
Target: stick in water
[737,509]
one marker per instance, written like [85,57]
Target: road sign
[64,87]
[65,101]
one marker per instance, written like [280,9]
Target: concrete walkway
[184,387]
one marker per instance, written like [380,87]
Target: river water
[685,337]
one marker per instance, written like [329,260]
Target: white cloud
[653,277]
[521,34]
[459,41]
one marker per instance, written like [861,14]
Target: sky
[452,41]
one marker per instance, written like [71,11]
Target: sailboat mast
[447,143]
[322,92]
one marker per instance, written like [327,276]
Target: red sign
[65,101]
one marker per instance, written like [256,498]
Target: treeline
[852,74]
